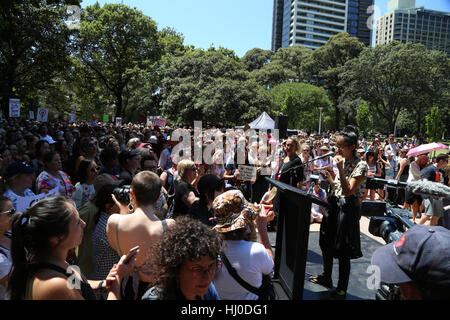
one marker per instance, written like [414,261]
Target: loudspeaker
[281,123]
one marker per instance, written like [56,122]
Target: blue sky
[239,25]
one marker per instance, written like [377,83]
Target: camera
[122,194]
[389,223]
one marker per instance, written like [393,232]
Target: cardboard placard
[247,173]
[14,108]
[42,115]
[23,203]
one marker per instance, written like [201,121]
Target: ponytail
[18,280]
[31,234]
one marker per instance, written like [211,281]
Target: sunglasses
[94,169]
[10,212]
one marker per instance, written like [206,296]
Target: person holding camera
[142,228]
[236,222]
[339,230]
[418,262]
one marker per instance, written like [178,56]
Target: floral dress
[47,181]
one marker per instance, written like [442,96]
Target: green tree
[363,118]
[386,78]
[301,103]
[431,74]
[286,65]
[326,65]
[212,86]
[118,46]
[434,125]
[256,58]
[34,47]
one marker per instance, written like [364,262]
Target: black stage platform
[357,289]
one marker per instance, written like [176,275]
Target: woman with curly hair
[187,260]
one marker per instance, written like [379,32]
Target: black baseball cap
[422,254]
[18,167]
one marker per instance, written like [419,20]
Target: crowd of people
[101,190]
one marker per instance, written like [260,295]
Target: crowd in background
[122,187]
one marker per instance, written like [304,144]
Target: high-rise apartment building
[405,23]
[310,23]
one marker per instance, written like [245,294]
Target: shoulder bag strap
[236,277]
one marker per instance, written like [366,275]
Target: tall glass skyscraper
[405,23]
[310,23]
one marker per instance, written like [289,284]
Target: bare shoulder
[112,221]
[51,285]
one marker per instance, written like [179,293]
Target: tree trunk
[419,122]
[337,117]
[119,104]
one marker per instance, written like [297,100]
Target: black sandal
[320,279]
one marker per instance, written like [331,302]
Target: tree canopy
[301,102]
[212,86]
[34,47]
[118,47]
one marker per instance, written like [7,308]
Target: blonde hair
[297,143]
[183,167]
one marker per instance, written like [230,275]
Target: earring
[130,207]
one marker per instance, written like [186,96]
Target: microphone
[429,189]
[329,154]
[425,188]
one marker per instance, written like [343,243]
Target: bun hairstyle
[31,234]
[350,135]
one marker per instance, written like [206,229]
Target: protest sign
[247,173]
[156,121]
[23,203]
[42,115]
[31,115]
[71,118]
[118,121]
[14,108]
[105,118]
[160,122]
